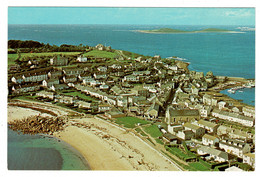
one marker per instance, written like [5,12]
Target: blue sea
[40,152]
[226,54]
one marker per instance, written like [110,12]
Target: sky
[101,15]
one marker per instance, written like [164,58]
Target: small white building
[209,140]
[234,147]
[249,158]
[217,155]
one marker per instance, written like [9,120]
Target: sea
[225,54]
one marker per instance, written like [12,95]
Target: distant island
[170,30]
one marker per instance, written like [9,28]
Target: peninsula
[127,111]
[170,30]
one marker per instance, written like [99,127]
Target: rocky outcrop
[38,124]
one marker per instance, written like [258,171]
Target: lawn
[176,151]
[199,166]
[129,122]
[80,95]
[13,57]
[153,130]
[140,131]
[100,54]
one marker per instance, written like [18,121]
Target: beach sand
[105,146]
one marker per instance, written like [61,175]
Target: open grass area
[13,57]
[100,54]
[153,130]
[140,131]
[199,166]
[27,98]
[130,122]
[179,153]
[80,95]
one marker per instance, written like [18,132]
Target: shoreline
[108,147]
[188,32]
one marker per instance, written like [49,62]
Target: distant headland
[170,30]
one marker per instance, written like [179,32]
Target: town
[180,110]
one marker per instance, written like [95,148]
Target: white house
[209,140]
[82,59]
[249,158]
[217,155]
[234,147]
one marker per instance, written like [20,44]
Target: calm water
[229,54]
[37,152]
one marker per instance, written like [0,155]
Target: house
[249,111]
[170,138]
[174,128]
[55,74]
[153,111]
[215,154]
[100,47]
[205,111]
[209,140]
[239,134]
[114,113]
[103,87]
[83,104]
[209,126]
[103,107]
[183,115]
[233,117]
[102,69]
[59,61]
[185,134]
[56,87]
[29,87]
[141,73]
[209,100]
[115,67]
[198,131]
[45,94]
[86,81]
[224,130]
[116,90]
[64,99]
[234,147]
[99,76]
[51,82]
[249,158]
[131,78]
[69,79]
[73,71]
[194,90]
[122,101]
[234,168]
[135,110]
[221,105]
[81,58]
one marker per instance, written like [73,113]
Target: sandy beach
[104,146]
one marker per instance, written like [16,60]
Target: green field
[129,122]
[153,130]
[80,95]
[199,166]
[100,54]
[13,57]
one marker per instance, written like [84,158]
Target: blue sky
[98,15]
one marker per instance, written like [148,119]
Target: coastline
[105,146]
[188,32]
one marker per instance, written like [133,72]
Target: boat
[231,91]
